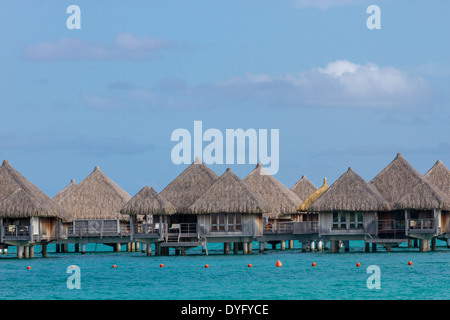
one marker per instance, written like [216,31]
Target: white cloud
[340,83]
[124,46]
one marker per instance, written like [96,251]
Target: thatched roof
[350,193]
[405,188]
[148,201]
[310,200]
[280,199]
[189,186]
[439,177]
[229,194]
[68,189]
[96,197]
[19,198]
[304,188]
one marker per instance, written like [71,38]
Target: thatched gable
[64,192]
[148,202]
[229,194]
[439,177]
[189,186]
[280,199]
[350,193]
[304,188]
[19,198]
[96,197]
[304,207]
[405,188]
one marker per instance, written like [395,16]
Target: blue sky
[111,93]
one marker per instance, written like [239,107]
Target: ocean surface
[136,276]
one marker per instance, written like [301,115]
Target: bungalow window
[360,220]
[352,220]
[238,226]
[214,225]
[221,222]
[335,220]
[343,224]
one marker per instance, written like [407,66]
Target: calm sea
[228,277]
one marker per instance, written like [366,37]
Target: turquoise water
[228,276]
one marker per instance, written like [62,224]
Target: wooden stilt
[283,245]
[149,249]
[19,252]
[433,244]
[31,250]
[245,247]
[26,252]
[44,251]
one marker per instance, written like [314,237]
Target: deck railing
[80,228]
[391,228]
[14,231]
[422,225]
[302,227]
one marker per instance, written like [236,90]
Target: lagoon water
[228,277]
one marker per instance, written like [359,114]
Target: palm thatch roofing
[405,188]
[19,198]
[350,193]
[189,186]
[439,177]
[68,189]
[280,199]
[304,207]
[304,188]
[229,194]
[96,197]
[148,202]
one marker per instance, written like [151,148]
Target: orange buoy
[358,264]
[250,265]
[313,264]
[279,264]
[114,266]
[28,267]
[410,263]
[161,265]
[206,265]
[73,267]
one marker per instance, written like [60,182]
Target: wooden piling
[312,246]
[347,246]
[83,249]
[118,247]
[433,244]
[304,245]
[319,245]
[44,250]
[374,247]
[334,246]
[291,244]
[424,245]
[367,247]
[26,252]
[149,249]
[19,252]
[261,247]
[283,245]
[245,247]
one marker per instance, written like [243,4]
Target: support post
[26,252]
[44,251]
[83,249]
[433,244]
[334,246]
[19,252]
[149,249]
[291,244]
[424,245]
[245,247]
[283,245]
[118,247]
[31,250]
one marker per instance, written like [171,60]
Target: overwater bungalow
[230,212]
[416,204]
[304,213]
[153,227]
[282,202]
[304,188]
[348,209]
[439,177]
[28,217]
[182,192]
[72,185]
[93,208]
